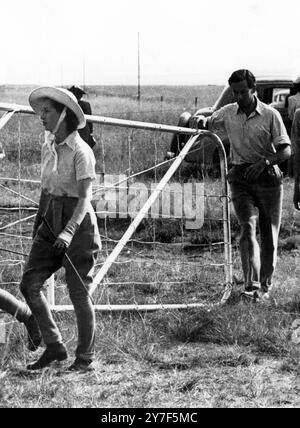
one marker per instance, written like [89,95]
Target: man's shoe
[53,352]
[81,365]
[252,288]
[34,334]
[257,296]
[250,295]
[263,297]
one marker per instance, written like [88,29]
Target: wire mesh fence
[176,255]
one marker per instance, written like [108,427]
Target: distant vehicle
[270,90]
[280,99]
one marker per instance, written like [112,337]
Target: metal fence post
[2,329]
[51,291]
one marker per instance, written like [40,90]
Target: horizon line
[113,84]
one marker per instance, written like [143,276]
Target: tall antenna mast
[61,75]
[139,70]
[83,73]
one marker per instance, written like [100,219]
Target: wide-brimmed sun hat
[60,95]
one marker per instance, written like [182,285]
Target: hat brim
[60,95]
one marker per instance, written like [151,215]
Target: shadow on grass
[267,330]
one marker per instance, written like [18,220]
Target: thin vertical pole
[139,70]
[61,75]
[83,73]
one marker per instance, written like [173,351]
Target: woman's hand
[64,239]
[59,247]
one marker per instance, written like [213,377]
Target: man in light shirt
[296,152]
[294,101]
[258,143]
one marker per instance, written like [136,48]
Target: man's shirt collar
[258,108]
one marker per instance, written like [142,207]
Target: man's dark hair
[240,75]
[77,91]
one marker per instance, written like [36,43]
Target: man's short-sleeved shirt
[75,161]
[252,137]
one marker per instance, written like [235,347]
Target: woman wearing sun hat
[65,224]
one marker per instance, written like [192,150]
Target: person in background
[85,133]
[258,143]
[65,227]
[294,101]
[18,309]
[296,153]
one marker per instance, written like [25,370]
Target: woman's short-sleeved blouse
[75,161]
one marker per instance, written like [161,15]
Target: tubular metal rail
[194,134]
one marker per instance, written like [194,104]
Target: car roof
[276,79]
[280,81]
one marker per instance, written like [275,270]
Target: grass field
[239,355]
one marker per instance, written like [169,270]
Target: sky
[95,42]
